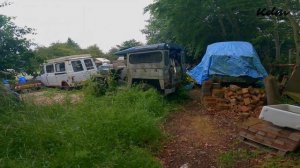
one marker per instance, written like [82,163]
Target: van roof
[70,57]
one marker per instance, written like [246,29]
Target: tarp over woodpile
[234,59]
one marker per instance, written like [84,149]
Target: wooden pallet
[263,147]
[256,132]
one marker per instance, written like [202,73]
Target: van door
[78,71]
[43,76]
[50,75]
[90,68]
[60,73]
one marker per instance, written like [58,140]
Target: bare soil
[46,97]
[197,138]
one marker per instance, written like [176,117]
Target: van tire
[65,86]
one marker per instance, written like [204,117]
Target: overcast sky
[102,22]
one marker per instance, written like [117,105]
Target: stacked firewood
[244,99]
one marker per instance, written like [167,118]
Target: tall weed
[116,130]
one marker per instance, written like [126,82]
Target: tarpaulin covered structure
[234,59]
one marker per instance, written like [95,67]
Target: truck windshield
[151,57]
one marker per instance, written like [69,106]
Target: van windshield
[151,57]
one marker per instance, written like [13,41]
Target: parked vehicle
[105,68]
[69,71]
[160,65]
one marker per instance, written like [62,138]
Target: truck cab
[160,65]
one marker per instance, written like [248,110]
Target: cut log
[245,90]
[234,88]
[245,109]
[247,101]
[247,95]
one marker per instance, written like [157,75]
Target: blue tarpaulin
[235,59]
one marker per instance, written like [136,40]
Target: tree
[72,44]
[129,44]
[15,52]
[95,51]
[195,24]
[70,47]
[59,49]
[294,18]
[113,50]
[3,4]
[110,54]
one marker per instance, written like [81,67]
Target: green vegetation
[70,47]
[287,100]
[234,158]
[242,158]
[120,129]
[196,24]
[280,161]
[15,52]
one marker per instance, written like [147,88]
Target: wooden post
[272,90]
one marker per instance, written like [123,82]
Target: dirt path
[196,137]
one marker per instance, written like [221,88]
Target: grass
[244,158]
[291,160]
[234,158]
[120,129]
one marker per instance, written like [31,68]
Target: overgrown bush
[8,101]
[116,130]
[96,87]
[99,85]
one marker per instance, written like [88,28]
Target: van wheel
[65,86]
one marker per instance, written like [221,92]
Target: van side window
[77,66]
[49,68]
[88,64]
[60,67]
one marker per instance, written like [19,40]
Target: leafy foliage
[122,46]
[129,44]
[15,52]
[196,24]
[95,51]
[59,49]
[70,47]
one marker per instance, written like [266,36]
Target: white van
[67,71]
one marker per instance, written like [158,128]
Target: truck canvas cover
[234,59]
